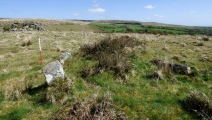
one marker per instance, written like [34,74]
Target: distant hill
[137,26]
[52,21]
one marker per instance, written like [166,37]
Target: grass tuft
[58,92]
[96,107]
[26,43]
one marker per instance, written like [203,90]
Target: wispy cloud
[96,10]
[149,7]
[159,16]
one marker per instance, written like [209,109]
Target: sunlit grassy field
[140,97]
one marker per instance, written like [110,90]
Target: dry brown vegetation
[94,108]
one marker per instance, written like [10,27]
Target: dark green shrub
[199,104]
[5,29]
[111,55]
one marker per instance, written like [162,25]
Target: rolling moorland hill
[112,73]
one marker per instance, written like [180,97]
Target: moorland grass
[139,98]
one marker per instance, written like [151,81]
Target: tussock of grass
[59,92]
[26,43]
[205,38]
[59,49]
[88,109]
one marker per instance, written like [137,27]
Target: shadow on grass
[38,94]
[36,90]
[188,111]
[198,105]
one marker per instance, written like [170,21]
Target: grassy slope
[139,98]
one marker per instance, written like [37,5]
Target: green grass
[153,29]
[17,114]
[2,97]
[5,76]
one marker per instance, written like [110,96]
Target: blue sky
[181,12]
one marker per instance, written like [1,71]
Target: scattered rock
[28,26]
[177,68]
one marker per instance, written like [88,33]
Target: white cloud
[96,10]
[159,16]
[149,7]
[75,14]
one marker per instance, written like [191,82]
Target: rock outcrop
[177,68]
[25,26]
